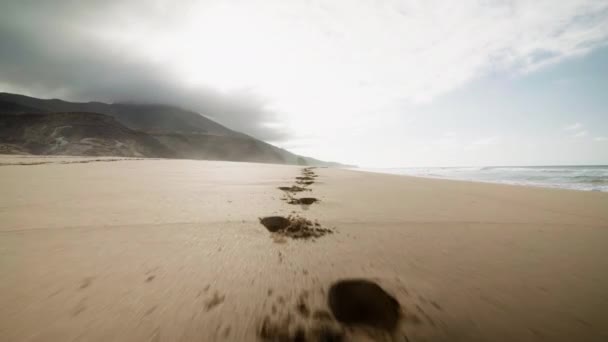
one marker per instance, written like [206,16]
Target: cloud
[486,141]
[449,142]
[600,138]
[576,129]
[44,56]
[573,127]
[271,67]
[482,143]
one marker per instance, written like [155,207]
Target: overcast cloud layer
[277,69]
[53,49]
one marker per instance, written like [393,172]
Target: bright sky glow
[373,82]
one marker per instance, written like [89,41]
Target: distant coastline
[572,177]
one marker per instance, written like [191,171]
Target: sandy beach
[112,249]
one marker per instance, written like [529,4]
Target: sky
[376,83]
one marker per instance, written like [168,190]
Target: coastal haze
[202,170]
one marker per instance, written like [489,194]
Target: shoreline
[531,185]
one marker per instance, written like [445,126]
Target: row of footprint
[296,226]
[350,302]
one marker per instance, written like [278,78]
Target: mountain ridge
[182,133]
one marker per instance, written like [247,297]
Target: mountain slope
[142,117]
[179,133]
[75,134]
[9,107]
[219,147]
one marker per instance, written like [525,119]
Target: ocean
[582,177]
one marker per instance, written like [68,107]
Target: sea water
[581,177]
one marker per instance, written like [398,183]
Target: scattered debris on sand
[294,226]
[305,178]
[296,324]
[305,182]
[307,172]
[293,188]
[302,200]
[349,310]
[283,331]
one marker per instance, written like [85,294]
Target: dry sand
[173,250]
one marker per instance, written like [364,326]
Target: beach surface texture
[114,249]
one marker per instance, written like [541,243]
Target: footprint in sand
[294,226]
[305,183]
[214,301]
[303,200]
[293,188]
[362,302]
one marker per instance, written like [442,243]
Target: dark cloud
[46,52]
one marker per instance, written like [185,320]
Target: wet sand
[173,250]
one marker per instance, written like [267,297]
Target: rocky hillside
[75,134]
[39,126]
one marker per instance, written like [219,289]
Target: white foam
[586,178]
